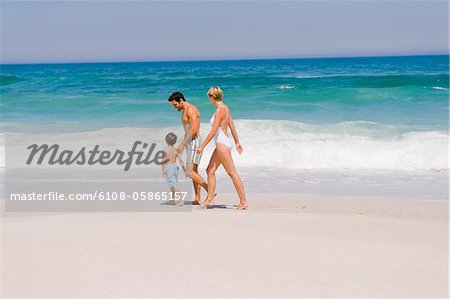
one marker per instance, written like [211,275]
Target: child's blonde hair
[216,93]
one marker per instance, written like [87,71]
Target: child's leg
[176,192]
[172,193]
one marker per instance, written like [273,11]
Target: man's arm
[180,159]
[192,121]
[187,138]
[191,132]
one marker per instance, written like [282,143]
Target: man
[190,118]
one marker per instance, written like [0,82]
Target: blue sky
[146,31]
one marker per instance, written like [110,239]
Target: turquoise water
[408,92]
[380,113]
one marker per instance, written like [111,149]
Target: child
[170,168]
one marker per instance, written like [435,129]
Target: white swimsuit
[221,136]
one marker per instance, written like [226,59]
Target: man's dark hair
[171,138]
[176,96]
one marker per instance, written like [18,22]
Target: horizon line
[222,59]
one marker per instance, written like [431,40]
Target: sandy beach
[330,118]
[285,245]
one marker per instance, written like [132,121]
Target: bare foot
[209,203]
[242,206]
[207,199]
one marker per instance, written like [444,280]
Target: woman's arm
[235,135]
[220,114]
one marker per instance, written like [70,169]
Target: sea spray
[290,145]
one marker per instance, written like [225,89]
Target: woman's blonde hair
[216,93]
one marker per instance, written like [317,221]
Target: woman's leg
[214,163]
[224,154]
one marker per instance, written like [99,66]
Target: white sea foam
[439,88]
[349,145]
[290,145]
[286,87]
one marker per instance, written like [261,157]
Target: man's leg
[197,180]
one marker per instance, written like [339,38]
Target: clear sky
[147,30]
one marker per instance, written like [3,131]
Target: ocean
[327,114]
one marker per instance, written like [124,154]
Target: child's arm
[163,165]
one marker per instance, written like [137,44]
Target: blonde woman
[220,122]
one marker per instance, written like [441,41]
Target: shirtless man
[190,118]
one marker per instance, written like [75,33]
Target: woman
[220,122]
